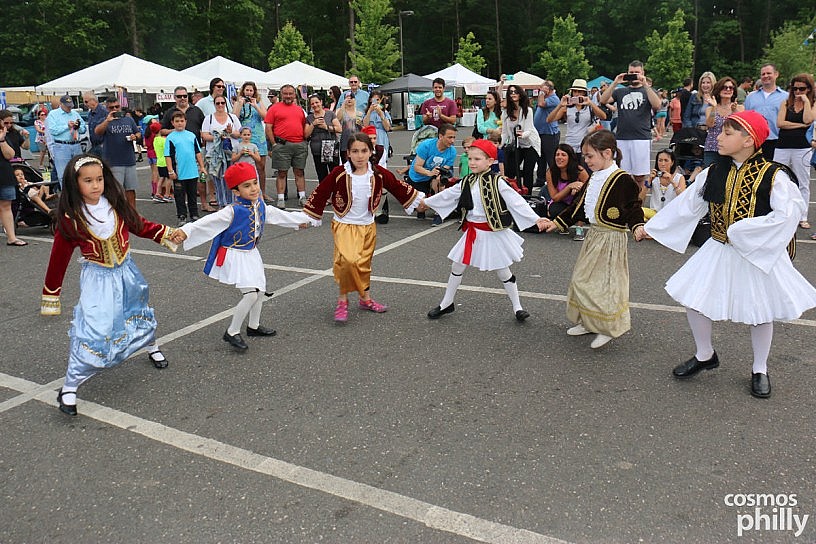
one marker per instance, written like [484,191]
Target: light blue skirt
[112,320]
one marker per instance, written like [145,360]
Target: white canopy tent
[459,76]
[298,73]
[523,79]
[123,72]
[230,71]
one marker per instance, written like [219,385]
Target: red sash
[220,254]
[470,229]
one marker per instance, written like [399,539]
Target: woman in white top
[217,129]
[666,181]
[581,114]
[519,137]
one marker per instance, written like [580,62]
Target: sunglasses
[728,88]
[43,114]
[801,89]
[220,86]
[181,96]
[220,103]
[512,91]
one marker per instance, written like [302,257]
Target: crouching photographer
[433,157]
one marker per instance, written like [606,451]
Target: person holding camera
[636,103]
[118,132]
[323,141]
[375,115]
[251,112]
[433,163]
[580,112]
[65,126]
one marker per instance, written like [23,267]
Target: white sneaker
[599,341]
[302,201]
[578,330]
[281,204]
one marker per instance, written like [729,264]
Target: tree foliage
[564,59]
[45,39]
[375,54]
[671,53]
[468,54]
[790,50]
[289,47]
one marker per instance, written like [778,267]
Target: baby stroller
[24,209]
[424,132]
[687,144]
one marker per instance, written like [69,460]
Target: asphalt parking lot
[393,428]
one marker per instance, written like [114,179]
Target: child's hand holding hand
[640,234]
[178,236]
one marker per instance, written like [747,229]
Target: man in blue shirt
[548,132]
[65,125]
[766,101]
[432,156]
[118,132]
[96,114]
[360,95]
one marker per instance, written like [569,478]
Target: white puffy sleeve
[282,218]
[444,202]
[763,240]
[523,214]
[674,225]
[207,228]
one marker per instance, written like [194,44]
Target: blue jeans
[62,155]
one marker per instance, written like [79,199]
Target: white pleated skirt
[492,250]
[242,268]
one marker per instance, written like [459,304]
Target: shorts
[636,156]
[152,161]
[8,192]
[660,114]
[126,175]
[289,155]
[163,172]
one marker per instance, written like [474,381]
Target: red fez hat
[488,147]
[239,173]
[370,129]
[754,124]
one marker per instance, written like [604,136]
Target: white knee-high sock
[454,280]
[255,312]
[241,310]
[761,337]
[701,330]
[509,281]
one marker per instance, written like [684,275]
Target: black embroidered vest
[498,216]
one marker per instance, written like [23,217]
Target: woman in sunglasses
[520,137]
[721,103]
[793,148]
[220,131]
[581,113]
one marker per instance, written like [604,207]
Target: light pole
[402,59]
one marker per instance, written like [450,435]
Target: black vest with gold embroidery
[735,193]
[498,216]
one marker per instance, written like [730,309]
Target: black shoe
[69,409]
[381,219]
[438,312]
[521,315]
[158,359]
[420,215]
[260,331]
[760,385]
[693,366]
[235,341]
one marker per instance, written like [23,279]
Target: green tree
[288,47]
[671,57]
[790,51]
[375,52]
[564,59]
[468,54]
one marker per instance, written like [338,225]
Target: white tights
[504,274]
[250,304]
[761,337]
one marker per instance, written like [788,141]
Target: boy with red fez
[235,231]
[490,206]
[744,272]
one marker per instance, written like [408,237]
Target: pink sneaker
[341,312]
[373,306]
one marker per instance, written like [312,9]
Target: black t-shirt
[195,118]
[683,95]
[15,140]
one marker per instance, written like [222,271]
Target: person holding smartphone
[581,114]
[636,102]
[381,120]
[118,132]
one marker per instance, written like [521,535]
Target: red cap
[370,129]
[239,173]
[754,124]
[155,127]
[488,147]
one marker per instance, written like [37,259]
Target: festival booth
[132,78]
[472,84]
[299,74]
[233,73]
